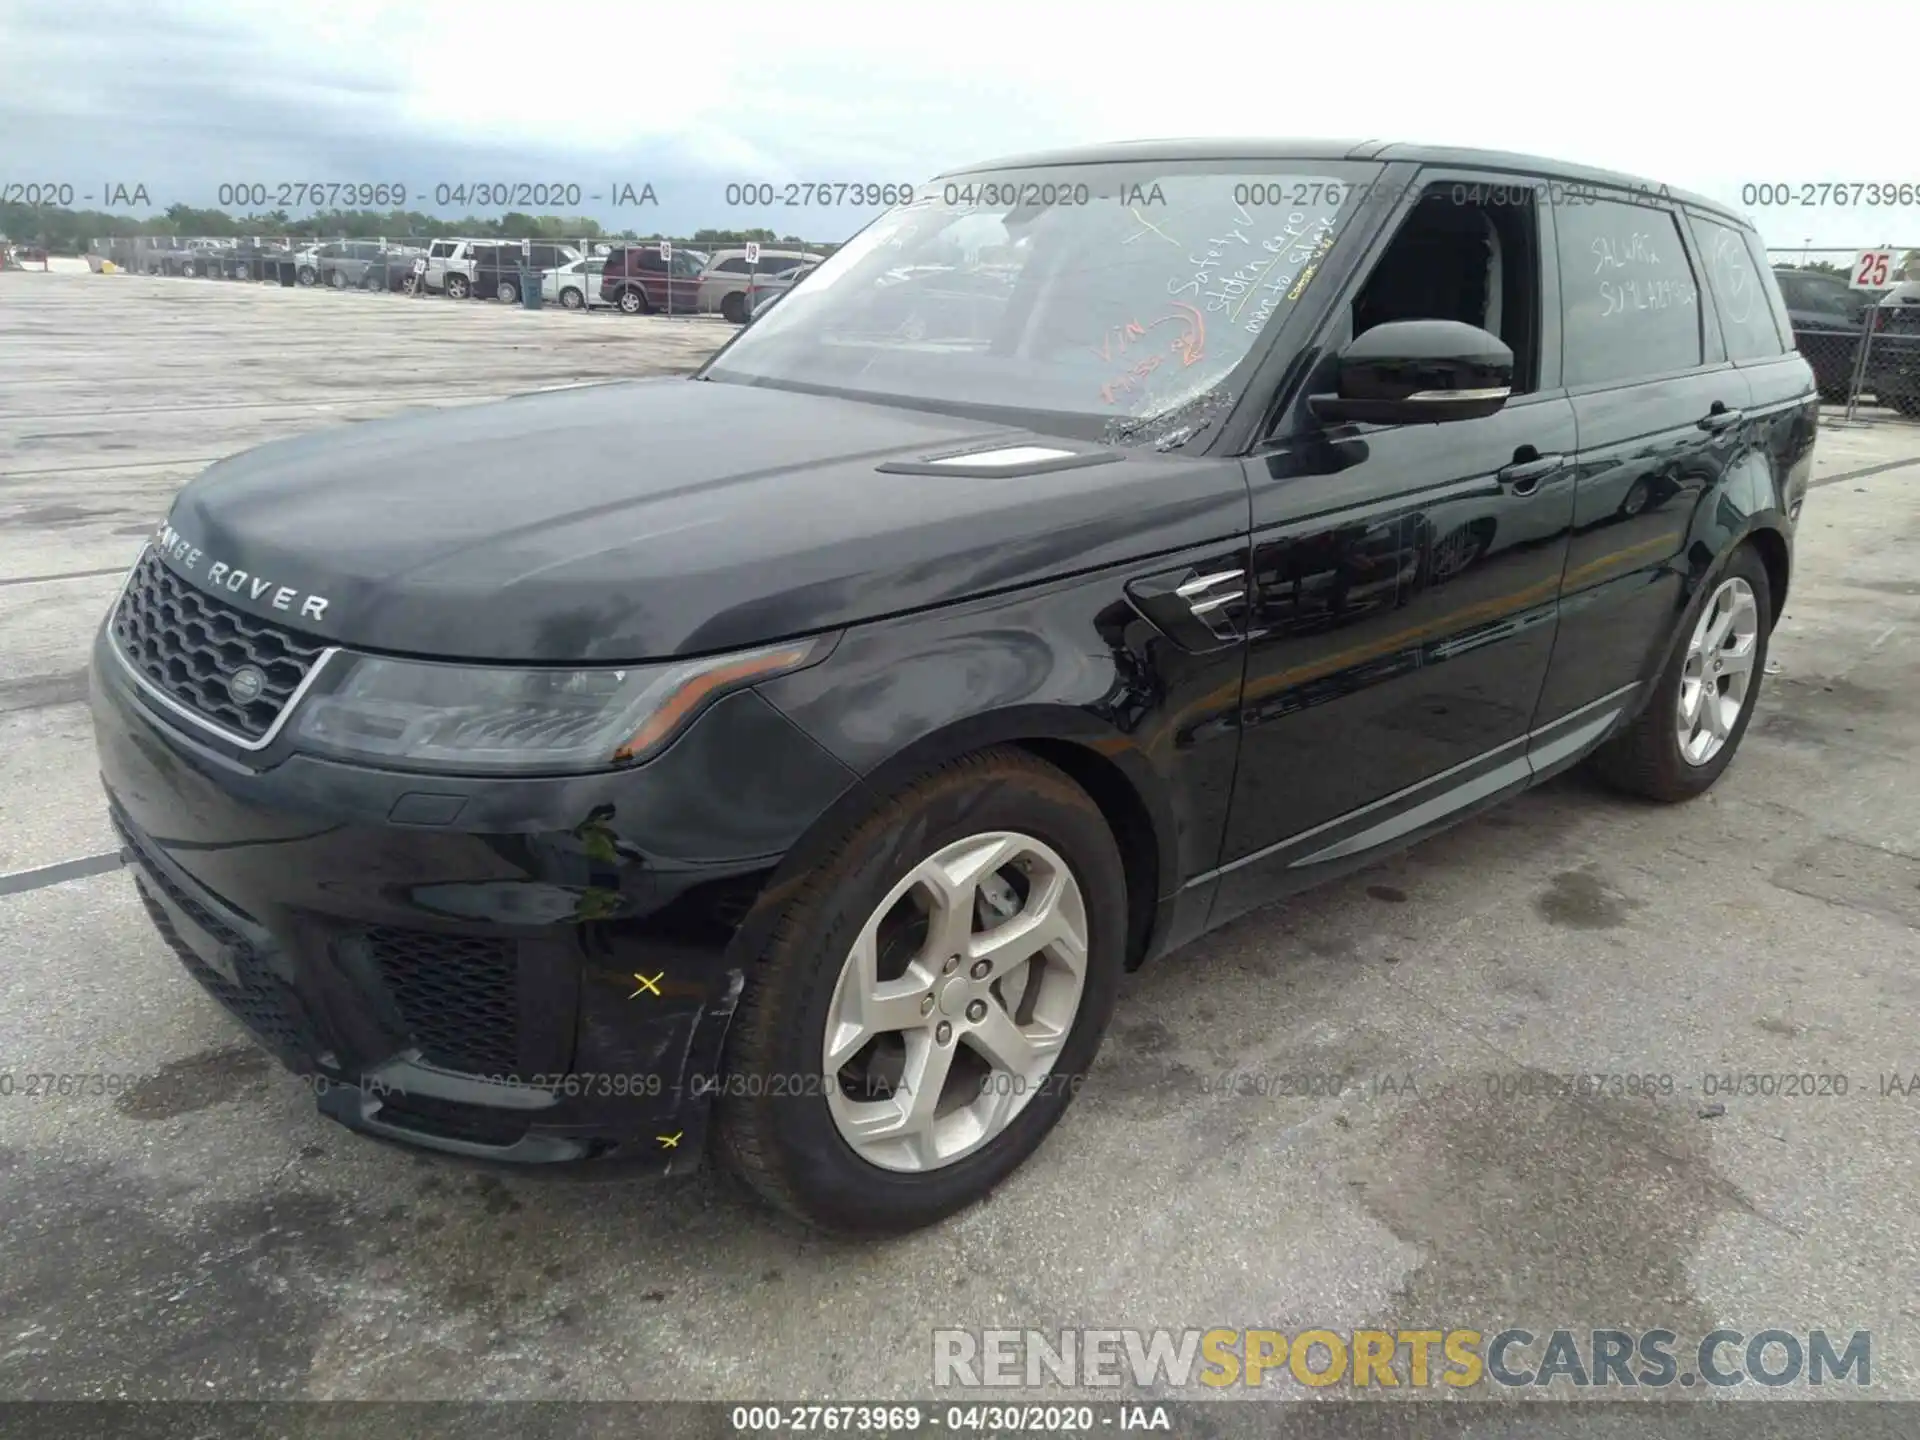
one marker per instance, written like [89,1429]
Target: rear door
[1660,410]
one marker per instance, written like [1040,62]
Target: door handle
[1523,477]
[1719,418]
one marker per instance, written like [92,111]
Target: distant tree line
[68,232]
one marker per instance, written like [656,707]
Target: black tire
[786,1146]
[507,293]
[572,299]
[633,301]
[1644,759]
[734,308]
[337,279]
[456,287]
[307,275]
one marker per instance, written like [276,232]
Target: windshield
[1089,294]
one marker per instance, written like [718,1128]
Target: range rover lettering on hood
[219,575]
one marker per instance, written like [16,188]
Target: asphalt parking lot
[202,1233]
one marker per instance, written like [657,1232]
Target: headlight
[410,714]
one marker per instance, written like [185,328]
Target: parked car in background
[638,281]
[450,267]
[392,269]
[727,278]
[1893,362]
[498,269]
[163,255]
[576,284]
[346,264]
[1828,320]
[763,293]
[248,259]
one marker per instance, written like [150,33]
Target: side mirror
[1419,372]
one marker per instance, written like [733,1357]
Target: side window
[651,262]
[1630,302]
[780,264]
[733,265]
[1742,299]
[440,249]
[1467,252]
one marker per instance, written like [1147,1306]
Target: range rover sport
[787,761]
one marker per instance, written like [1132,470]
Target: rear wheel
[337,279]
[507,293]
[734,308]
[633,301]
[929,1002]
[572,299]
[307,275]
[1691,727]
[457,287]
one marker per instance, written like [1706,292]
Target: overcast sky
[183,95]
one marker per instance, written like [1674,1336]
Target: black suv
[1101,546]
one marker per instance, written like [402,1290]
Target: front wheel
[307,275]
[572,299]
[930,1001]
[734,309]
[1691,727]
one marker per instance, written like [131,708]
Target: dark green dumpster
[530,291]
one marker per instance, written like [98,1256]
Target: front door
[1405,577]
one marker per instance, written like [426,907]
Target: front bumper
[537,971]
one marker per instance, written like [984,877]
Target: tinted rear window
[1629,297]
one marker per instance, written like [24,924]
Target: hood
[652,518]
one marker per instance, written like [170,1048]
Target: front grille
[459,996]
[262,1002]
[190,645]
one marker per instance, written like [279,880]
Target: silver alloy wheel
[1717,675]
[955,1001]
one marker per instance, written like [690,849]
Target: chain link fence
[659,275]
[1858,325]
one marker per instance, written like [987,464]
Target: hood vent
[1001,460]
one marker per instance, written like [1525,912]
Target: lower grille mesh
[459,996]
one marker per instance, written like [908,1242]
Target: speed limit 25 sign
[1872,270]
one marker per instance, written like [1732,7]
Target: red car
[640,282]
